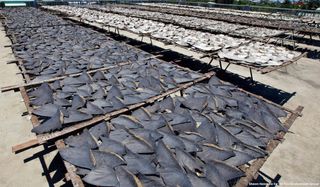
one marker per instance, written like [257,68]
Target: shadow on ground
[55,172]
[263,180]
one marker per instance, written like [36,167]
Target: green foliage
[312,4]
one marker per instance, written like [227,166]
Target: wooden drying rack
[261,69]
[202,29]
[194,13]
[206,55]
[251,171]
[211,54]
[44,138]
[59,143]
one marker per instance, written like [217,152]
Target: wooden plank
[26,145]
[24,71]
[71,169]
[43,138]
[14,87]
[257,164]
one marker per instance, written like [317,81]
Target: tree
[313,4]
[287,2]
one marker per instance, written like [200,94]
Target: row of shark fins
[195,22]
[240,19]
[199,139]
[75,99]
[52,51]
[17,18]
[255,53]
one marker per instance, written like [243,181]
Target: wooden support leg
[220,64]
[181,93]
[227,66]
[251,75]
[210,61]
[294,43]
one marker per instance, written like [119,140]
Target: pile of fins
[257,32]
[199,139]
[259,54]
[199,23]
[17,18]
[50,52]
[238,49]
[75,99]
[193,39]
[252,18]
[235,12]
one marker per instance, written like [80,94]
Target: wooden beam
[26,145]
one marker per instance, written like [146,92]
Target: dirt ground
[294,162]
